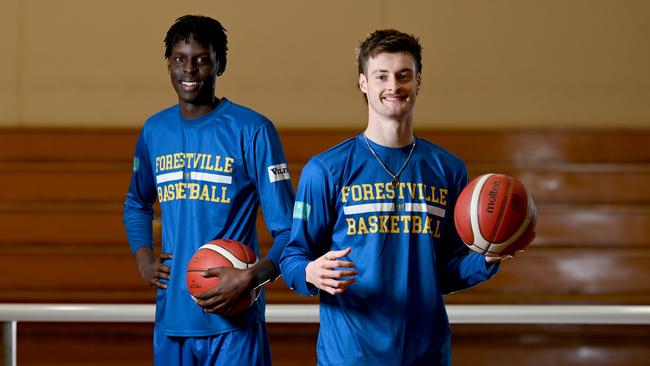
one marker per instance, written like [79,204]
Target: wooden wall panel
[544,276]
[61,195]
[582,345]
[589,226]
[519,147]
[109,181]
[538,276]
[579,184]
[566,183]
[606,226]
[522,147]
[93,226]
[61,185]
[67,145]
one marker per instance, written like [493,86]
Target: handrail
[307,313]
[11,314]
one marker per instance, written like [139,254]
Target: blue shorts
[245,346]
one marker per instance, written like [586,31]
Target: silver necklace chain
[395,180]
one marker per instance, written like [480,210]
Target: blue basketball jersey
[209,176]
[404,245]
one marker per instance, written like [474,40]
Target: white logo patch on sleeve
[278,172]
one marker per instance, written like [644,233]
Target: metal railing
[11,314]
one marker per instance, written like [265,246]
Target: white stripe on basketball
[479,240]
[229,256]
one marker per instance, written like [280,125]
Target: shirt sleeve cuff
[299,282]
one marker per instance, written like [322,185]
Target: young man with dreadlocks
[373,226]
[210,163]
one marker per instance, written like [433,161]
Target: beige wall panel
[294,60]
[9,69]
[92,63]
[552,63]
[579,63]
[100,63]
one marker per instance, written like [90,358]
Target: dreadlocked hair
[205,30]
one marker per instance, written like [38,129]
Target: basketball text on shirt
[193,176]
[381,208]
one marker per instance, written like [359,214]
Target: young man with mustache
[373,227]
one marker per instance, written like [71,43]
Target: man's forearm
[143,259]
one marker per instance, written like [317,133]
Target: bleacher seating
[61,194]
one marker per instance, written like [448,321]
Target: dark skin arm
[151,268]
[234,284]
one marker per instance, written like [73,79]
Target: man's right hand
[325,272]
[151,268]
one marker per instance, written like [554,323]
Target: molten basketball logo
[493,196]
[494,215]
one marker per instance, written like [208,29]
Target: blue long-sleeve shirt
[210,175]
[404,246]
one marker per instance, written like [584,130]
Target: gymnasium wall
[63,241]
[488,64]
[554,92]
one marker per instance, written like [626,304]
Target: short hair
[391,41]
[205,30]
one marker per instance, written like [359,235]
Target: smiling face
[390,83]
[193,71]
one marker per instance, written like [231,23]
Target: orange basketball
[495,216]
[219,253]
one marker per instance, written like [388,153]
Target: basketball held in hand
[495,215]
[220,253]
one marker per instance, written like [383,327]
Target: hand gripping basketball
[221,257]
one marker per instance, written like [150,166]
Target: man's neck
[193,111]
[390,132]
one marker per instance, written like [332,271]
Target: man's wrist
[264,272]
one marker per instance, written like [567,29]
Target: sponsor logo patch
[136,164]
[278,172]
[301,210]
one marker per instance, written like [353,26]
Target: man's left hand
[233,286]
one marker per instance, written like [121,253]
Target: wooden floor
[45,344]
[99,344]
[61,194]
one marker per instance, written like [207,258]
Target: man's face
[193,72]
[391,84]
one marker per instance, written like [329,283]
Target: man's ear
[217,69]
[418,79]
[363,83]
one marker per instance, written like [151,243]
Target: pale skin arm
[330,274]
[489,260]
